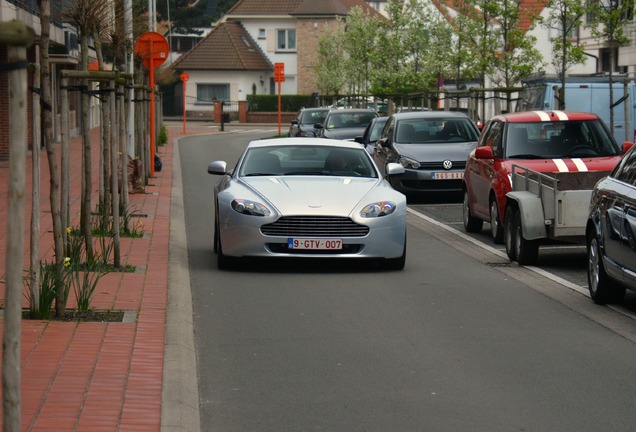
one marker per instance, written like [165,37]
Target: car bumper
[433,181]
[380,242]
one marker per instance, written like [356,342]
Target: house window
[208,93]
[261,33]
[286,40]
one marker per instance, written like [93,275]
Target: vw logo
[447,164]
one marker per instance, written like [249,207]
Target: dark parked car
[303,125]
[432,146]
[611,233]
[372,133]
[345,124]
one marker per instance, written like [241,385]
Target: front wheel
[397,263]
[471,224]
[526,251]
[509,233]
[602,289]
[496,228]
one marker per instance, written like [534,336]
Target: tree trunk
[11,398]
[85,212]
[49,142]
[113,167]
[35,199]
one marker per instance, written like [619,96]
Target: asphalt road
[458,341]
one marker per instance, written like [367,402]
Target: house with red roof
[237,57]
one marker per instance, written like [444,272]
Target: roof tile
[228,47]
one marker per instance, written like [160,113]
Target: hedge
[288,103]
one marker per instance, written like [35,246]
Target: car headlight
[378,209]
[408,162]
[251,208]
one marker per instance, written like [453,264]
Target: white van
[588,94]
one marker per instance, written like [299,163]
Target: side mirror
[317,125]
[393,168]
[627,145]
[360,140]
[217,167]
[484,152]
[383,142]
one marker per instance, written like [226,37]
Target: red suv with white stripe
[544,141]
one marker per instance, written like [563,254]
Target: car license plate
[314,243]
[448,175]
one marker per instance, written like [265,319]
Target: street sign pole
[153,48]
[279,77]
[152,114]
[184,79]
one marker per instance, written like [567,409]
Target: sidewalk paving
[105,376]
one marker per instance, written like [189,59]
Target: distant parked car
[303,124]
[372,133]
[432,146]
[611,233]
[345,124]
[543,141]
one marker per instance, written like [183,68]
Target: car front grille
[457,165]
[315,226]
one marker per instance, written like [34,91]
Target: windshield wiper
[258,174]
[303,173]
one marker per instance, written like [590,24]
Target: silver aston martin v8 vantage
[308,198]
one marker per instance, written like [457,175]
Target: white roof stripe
[542,115]
[561,166]
[580,165]
[561,115]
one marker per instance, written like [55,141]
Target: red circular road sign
[152,46]
[184,76]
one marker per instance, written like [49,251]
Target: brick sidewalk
[100,376]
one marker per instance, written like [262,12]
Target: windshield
[310,117]
[564,139]
[344,119]
[289,160]
[435,130]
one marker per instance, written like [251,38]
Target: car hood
[565,165]
[436,152]
[344,133]
[323,195]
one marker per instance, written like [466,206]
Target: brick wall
[308,32]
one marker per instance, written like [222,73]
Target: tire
[602,288]
[526,251]
[216,233]
[496,228]
[397,263]
[471,224]
[222,262]
[509,233]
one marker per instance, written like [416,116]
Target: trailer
[546,206]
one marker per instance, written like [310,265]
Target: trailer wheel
[526,251]
[471,224]
[602,288]
[496,228]
[509,232]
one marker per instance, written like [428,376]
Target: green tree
[330,69]
[608,25]
[565,17]
[516,56]
[359,38]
